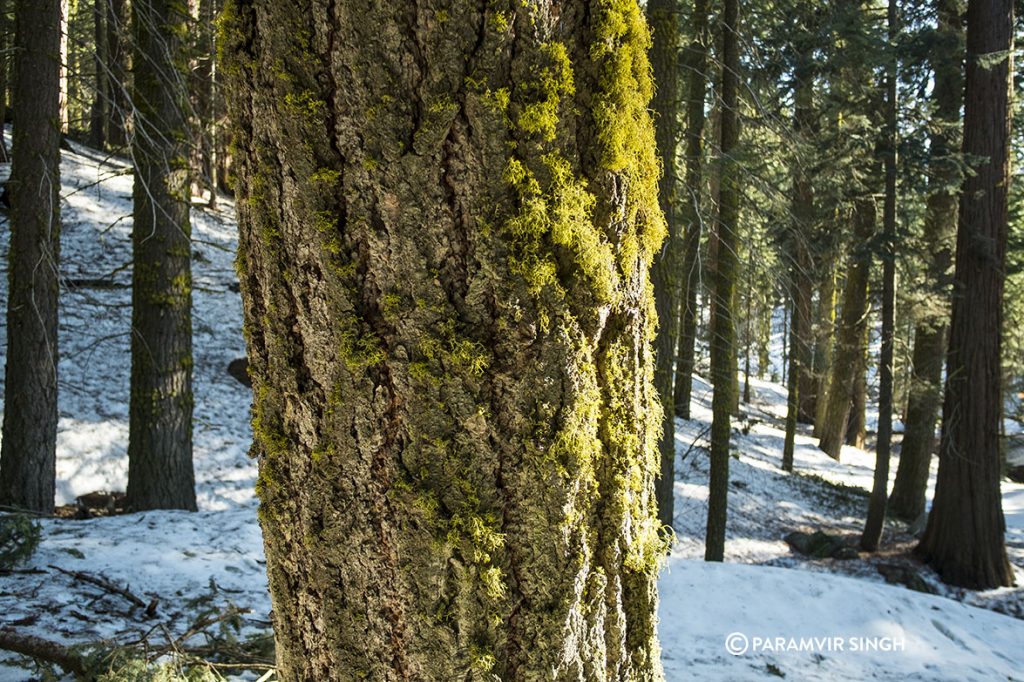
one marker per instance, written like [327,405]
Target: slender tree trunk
[209,16]
[746,327]
[197,75]
[856,422]
[160,473]
[925,392]
[875,520]
[98,111]
[201,87]
[801,388]
[663,16]
[695,65]
[28,448]
[824,340]
[849,351]
[65,24]
[447,222]
[792,398]
[723,339]
[802,209]
[117,73]
[787,351]
[764,337]
[964,537]
[5,59]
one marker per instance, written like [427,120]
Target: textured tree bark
[850,339]
[964,537]
[925,399]
[28,450]
[723,339]
[160,474]
[663,16]
[117,74]
[448,212]
[695,66]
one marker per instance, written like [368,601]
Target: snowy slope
[214,557]
[831,627]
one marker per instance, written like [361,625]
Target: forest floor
[175,580]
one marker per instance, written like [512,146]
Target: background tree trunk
[117,73]
[824,340]
[849,350]
[98,111]
[908,493]
[856,422]
[28,450]
[160,471]
[695,65]
[5,60]
[792,399]
[875,520]
[803,268]
[448,212]
[663,16]
[62,53]
[964,537]
[723,338]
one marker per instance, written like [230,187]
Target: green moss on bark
[454,318]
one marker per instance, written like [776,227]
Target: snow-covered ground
[842,622]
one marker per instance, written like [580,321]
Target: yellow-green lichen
[359,351]
[306,105]
[625,127]
[499,21]
[562,213]
[553,82]
[325,176]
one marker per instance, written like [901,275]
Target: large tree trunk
[695,64]
[160,471]
[663,16]
[723,340]
[908,494]
[28,450]
[117,73]
[850,340]
[448,212]
[964,537]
